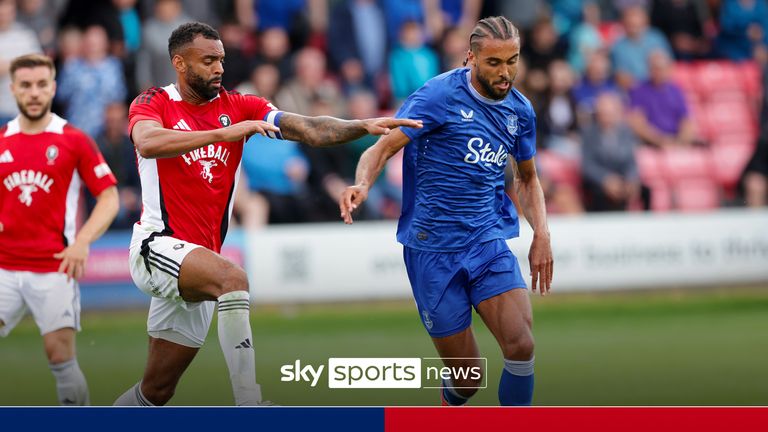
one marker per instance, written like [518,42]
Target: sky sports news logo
[383,373]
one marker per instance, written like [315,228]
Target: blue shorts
[446,285]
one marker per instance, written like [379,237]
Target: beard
[202,87]
[489,88]
[45,109]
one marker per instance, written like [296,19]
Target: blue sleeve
[526,144]
[426,104]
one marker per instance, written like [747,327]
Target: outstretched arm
[327,131]
[152,140]
[368,169]
[532,202]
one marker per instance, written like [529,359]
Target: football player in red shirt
[190,137]
[43,163]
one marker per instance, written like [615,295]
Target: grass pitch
[705,347]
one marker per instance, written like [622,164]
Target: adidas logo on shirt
[6,157]
[182,125]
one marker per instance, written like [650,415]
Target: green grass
[664,348]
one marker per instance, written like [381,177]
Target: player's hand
[246,128]
[73,260]
[383,125]
[350,200]
[542,264]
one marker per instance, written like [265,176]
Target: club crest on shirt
[512,124]
[225,120]
[51,153]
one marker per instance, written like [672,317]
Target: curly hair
[186,33]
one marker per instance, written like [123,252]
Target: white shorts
[155,262]
[53,301]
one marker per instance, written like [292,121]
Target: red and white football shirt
[190,196]
[42,175]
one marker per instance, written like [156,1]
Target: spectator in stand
[275,48]
[40,18]
[608,166]
[597,80]
[557,120]
[385,195]
[660,115]
[453,49]
[153,67]
[585,38]
[755,179]
[238,66]
[87,85]
[264,82]
[310,85]
[630,53]
[130,21]
[118,152]
[743,28]
[86,13]
[357,36]
[524,13]
[300,19]
[274,188]
[440,15]
[398,12]
[682,22]
[412,62]
[544,47]
[15,40]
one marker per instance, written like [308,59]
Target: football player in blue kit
[456,216]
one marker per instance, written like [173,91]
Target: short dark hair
[186,33]
[31,61]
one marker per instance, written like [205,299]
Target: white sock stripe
[58,367]
[519,367]
[234,295]
[140,396]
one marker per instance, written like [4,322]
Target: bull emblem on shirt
[206,172]
[26,193]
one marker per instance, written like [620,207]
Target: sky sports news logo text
[358,373]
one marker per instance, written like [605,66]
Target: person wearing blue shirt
[456,216]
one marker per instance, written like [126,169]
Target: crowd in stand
[641,104]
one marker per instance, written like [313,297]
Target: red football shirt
[42,175]
[190,196]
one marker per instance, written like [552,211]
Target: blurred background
[651,113]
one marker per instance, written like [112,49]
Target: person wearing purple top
[659,113]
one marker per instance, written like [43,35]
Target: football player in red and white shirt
[189,138]
[43,163]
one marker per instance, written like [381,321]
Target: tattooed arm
[327,131]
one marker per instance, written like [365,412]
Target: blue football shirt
[453,168]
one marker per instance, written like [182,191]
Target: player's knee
[518,348]
[233,279]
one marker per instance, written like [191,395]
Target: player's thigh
[206,275]
[156,261]
[509,318]
[439,286]
[12,307]
[180,322]
[459,350]
[53,300]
